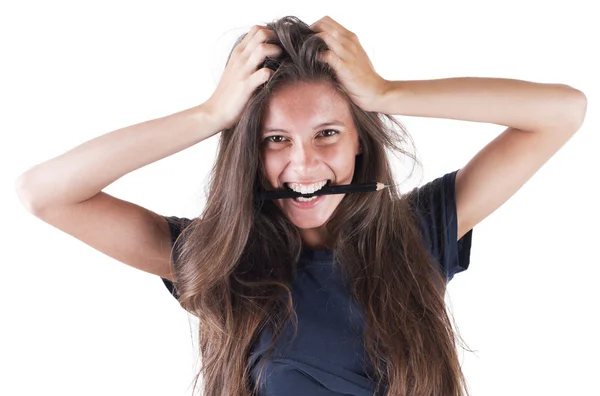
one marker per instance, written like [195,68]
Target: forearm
[519,104]
[82,172]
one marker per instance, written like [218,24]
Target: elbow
[24,195]
[577,108]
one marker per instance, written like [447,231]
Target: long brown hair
[238,259]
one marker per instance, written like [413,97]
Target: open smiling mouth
[308,195]
[327,189]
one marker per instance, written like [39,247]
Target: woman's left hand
[351,64]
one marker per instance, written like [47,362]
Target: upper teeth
[307,188]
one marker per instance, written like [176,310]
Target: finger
[331,59]
[247,37]
[260,53]
[329,24]
[260,77]
[316,26]
[262,34]
[337,45]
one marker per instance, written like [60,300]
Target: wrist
[390,93]
[209,118]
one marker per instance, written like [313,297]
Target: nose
[304,158]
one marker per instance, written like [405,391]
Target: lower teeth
[303,199]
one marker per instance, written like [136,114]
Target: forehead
[305,104]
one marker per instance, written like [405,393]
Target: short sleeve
[435,205]
[176,226]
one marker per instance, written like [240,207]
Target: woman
[340,295]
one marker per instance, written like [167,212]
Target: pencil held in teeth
[331,189]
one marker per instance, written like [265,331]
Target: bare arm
[84,171]
[66,191]
[81,173]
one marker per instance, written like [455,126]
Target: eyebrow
[332,122]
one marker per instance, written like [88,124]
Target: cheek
[343,166]
[339,155]
[273,168]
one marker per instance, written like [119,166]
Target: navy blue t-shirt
[326,357]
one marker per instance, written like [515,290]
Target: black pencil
[339,189]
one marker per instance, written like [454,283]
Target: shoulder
[434,205]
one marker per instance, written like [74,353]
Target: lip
[307,205]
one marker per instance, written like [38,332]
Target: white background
[75,321]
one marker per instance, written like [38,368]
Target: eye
[278,138]
[330,130]
[269,139]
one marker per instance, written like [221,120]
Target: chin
[307,224]
[307,221]
[311,218]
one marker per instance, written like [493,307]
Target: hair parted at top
[236,262]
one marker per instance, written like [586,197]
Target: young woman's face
[308,136]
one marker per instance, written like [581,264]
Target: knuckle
[250,32]
[270,49]
[250,58]
[260,51]
[263,34]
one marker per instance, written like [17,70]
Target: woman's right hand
[240,77]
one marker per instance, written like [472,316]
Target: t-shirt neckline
[317,254]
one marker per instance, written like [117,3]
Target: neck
[315,238]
